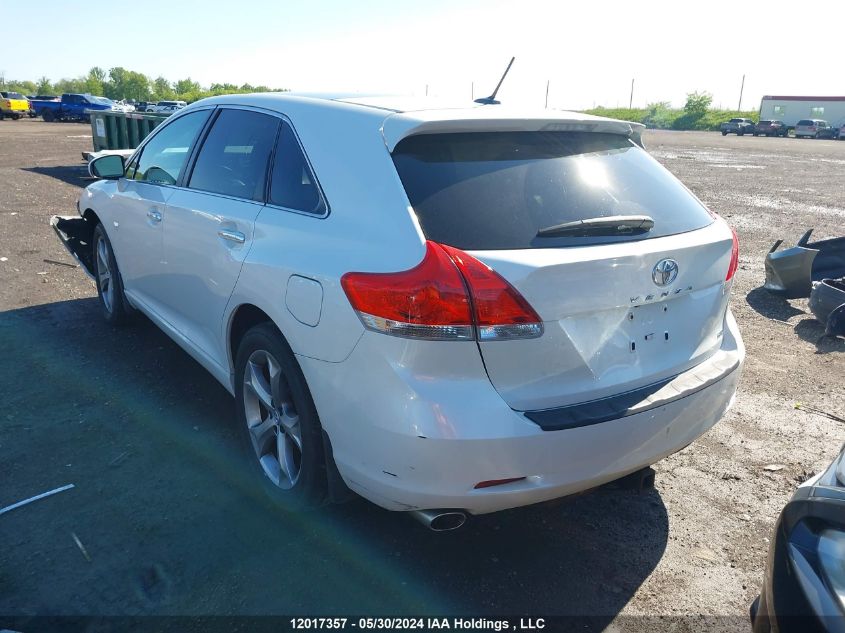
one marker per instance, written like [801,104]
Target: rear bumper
[406,440]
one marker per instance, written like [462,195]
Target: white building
[790,110]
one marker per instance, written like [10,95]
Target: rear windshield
[766,122]
[737,121]
[14,95]
[496,190]
[805,122]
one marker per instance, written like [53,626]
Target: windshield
[100,100]
[498,190]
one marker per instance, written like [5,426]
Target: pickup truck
[13,104]
[71,107]
[737,126]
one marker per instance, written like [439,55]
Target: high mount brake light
[450,295]
[734,257]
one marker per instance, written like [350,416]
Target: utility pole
[472,91]
[547,93]
[426,90]
[741,88]
[631,100]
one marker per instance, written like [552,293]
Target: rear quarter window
[496,190]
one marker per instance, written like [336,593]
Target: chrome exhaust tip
[440,520]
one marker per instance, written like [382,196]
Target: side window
[234,156]
[293,185]
[166,153]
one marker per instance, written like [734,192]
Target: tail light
[500,311]
[450,295]
[734,257]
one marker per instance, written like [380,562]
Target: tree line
[697,114]
[119,83]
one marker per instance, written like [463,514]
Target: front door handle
[232,236]
[154,215]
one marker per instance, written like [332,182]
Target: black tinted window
[166,153]
[233,159]
[293,185]
[496,190]
[805,122]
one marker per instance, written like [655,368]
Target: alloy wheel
[272,419]
[104,274]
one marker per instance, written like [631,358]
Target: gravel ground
[171,525]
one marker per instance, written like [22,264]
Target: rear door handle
[232,236]
[154,215]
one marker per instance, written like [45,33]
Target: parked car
[447,311]
[71,107]
[813,128]
[738,126]
[124,106]
[840,133]
[13,105]
[804,585]
[168,106]
[771,128]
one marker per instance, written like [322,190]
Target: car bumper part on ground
[791,271]
[430,445]
[827,303]
[797,596]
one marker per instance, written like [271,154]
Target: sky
[588,52]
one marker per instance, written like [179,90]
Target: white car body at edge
[418,423]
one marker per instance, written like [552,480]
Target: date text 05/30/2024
[420,624]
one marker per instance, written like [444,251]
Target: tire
[15,117]
[48,116]
[740,133]
[107,279]
[724,133]
[276,415]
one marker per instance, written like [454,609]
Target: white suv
[445,310]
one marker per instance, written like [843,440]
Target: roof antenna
[491,100]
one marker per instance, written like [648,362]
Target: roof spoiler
[399,126]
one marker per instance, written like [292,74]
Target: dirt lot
[172,526]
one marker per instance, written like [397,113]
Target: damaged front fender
[792,271]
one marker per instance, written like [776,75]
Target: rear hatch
[624,304]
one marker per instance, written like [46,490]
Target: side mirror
[110,167]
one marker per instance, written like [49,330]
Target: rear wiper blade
[608,225]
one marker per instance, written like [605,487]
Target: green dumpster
[121,130]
